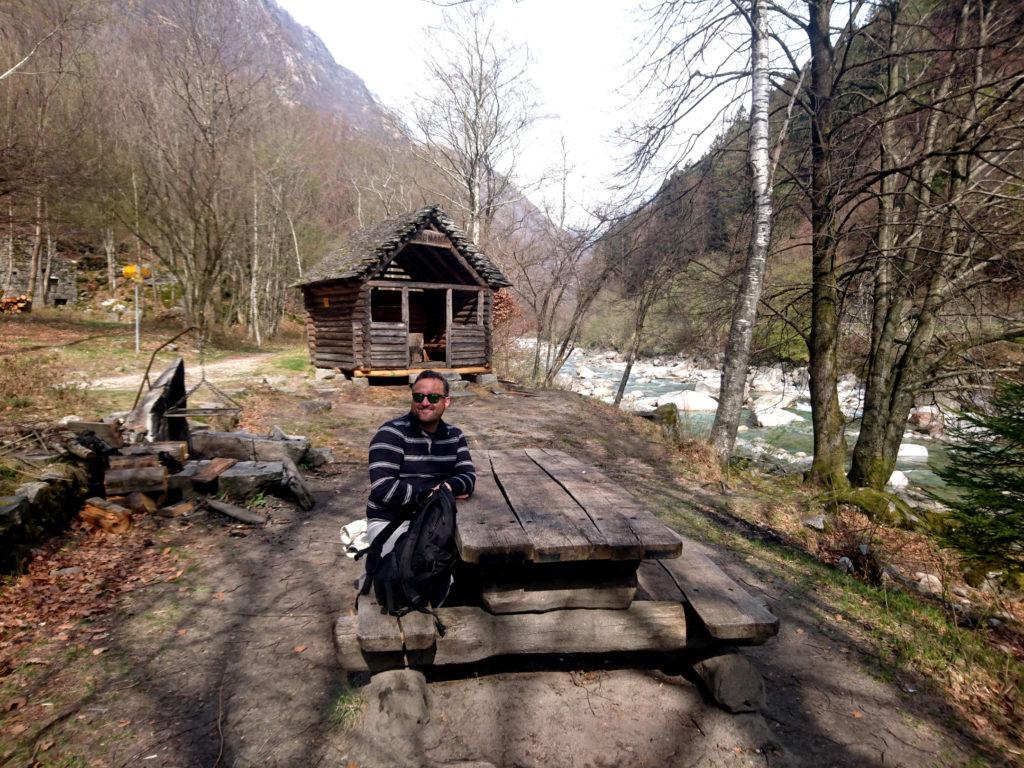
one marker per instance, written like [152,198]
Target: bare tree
[477,112]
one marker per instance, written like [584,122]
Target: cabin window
[385,306]
[54,281]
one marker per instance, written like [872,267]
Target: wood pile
[137,473]
[15,305]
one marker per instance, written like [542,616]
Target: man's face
[429,413]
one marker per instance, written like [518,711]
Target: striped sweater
[405,460]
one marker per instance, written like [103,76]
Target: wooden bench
[559,555]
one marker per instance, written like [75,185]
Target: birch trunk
[108,248]
[744,315]
[37,249]
[254,304]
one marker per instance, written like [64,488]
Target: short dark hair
[432,375]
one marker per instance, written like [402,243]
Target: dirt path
[232,663]
[231,368]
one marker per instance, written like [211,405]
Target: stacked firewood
[15,305]
[167,479]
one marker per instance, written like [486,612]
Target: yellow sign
[136,272]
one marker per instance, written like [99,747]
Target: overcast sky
[579,63]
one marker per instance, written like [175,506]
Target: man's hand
[445,484]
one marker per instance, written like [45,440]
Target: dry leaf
[857,713]
[218,595]
[839,617]
[124,723]
[17,729]
[98,651]
[46,745]
[182,632]
[299,648]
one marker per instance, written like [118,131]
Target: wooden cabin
[409,293]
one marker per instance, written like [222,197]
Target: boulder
[584,372]
[926,419]
[395,712]
[774,417]
[248,477]
[817,522]
[690,401]
[733,682]
[773,400]
[898,480]
[912,452]
[927,584]
[324,374]
[766,379]
[315,406]
[485,379]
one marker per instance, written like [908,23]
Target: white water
[790,445]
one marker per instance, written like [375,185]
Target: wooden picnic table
[566,561]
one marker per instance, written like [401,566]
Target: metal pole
[137,317]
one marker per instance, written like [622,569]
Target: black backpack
[416,574]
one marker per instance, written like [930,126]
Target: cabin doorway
[428,328]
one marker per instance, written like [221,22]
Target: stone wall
[63,274]
[37,510]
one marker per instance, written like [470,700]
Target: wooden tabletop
[541,505]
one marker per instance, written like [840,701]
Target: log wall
[333,336]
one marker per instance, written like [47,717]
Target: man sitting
[416,452]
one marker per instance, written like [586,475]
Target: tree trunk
[37,249]
[48,269]
[744,315]
[828,466]
[108,248]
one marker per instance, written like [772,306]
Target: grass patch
[913,642]
[346,709]
[298,362]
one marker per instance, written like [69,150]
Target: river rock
[773,400]
[688,400]
[773,417]
[898,480]
[766,379]
[584,372]
[817,522]
[912,452]
[733,682]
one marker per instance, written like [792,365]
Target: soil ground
[229,660]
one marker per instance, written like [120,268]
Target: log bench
[561,559]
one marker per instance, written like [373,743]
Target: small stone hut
[408,293]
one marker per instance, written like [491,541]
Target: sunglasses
[417,397]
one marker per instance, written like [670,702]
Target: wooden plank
[486,528]
[655,583]
[622,539]
[727,610]
[213,470]
[595,490]
[472,634]
[418,630]
[178,450]
[364,372]
[502,600]
[376,630]
[528,587]
[422,285]
[556,525]
[379,631]
[128,462]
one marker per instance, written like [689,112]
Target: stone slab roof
[368,250]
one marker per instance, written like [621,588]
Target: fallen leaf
[857,714]
[124,723]
[18,703]
[218,595]
[98,651]
[839,617]
[799,630]
[182,632]
[17,729]
[46,745]
[299,648]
